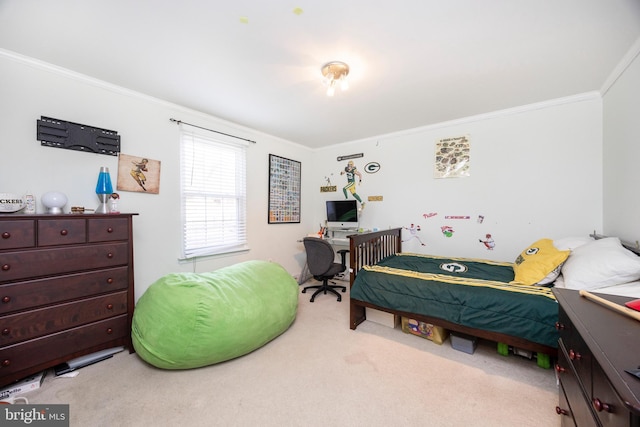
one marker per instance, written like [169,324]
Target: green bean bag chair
[189,320]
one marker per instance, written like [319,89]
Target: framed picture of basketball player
[139,174]
[284,190]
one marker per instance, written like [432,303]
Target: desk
[337,241]
[339,236]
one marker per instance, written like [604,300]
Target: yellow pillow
[537,262]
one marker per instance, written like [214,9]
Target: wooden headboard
[370,248]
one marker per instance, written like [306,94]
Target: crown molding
[626,61]
[65,72]
[586,96]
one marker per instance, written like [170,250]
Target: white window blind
[213,187]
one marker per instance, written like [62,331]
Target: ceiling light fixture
[335,73]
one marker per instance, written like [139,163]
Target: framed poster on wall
[284,190]
[139,174]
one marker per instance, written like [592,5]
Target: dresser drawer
[53,232]
[108,229]
[17,234]
[607,405]
[43,262]
[35,293]
[579,407]
[35,323]
[563,409]
[578,352]
[25,355]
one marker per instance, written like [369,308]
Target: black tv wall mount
[74,136]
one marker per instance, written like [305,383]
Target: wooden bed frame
[370,248]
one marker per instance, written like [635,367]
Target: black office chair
[322,266]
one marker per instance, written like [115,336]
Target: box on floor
[30,383]
[381,317]
[463,342]
[431,332]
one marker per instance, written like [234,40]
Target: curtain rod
[211,130]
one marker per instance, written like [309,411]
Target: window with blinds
[213,192]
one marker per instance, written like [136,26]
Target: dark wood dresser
[596,345]
[66,289]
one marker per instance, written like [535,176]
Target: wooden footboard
[370,248]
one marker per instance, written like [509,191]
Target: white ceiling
[413,63]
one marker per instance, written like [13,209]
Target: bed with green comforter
[471,294]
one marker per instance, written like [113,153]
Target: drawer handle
[573,355]
[64,232]
[110,280]
[109,306]
[6,267]
[6,362]
[110,255]
[561,411]
[560,369]
[559,326]
[6,299]
[600,406]
[6,235]
[6,331]
[110,230]
[109,331]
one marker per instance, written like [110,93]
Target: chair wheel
[339,298]
[344,290]
[304,291]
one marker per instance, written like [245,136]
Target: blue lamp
[104,189]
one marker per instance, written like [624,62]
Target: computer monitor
[342,214]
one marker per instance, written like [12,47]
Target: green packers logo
[453,267]
[529,251]
[372,167]
[532,251]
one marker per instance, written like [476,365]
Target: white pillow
[570,243]
[599,263]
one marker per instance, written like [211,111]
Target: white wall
[31,89]
[622,151]
[536,172]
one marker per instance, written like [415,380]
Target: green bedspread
[470,292]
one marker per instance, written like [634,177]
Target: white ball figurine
[54,201]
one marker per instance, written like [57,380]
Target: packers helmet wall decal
[372,167]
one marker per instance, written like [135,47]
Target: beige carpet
[318,373]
